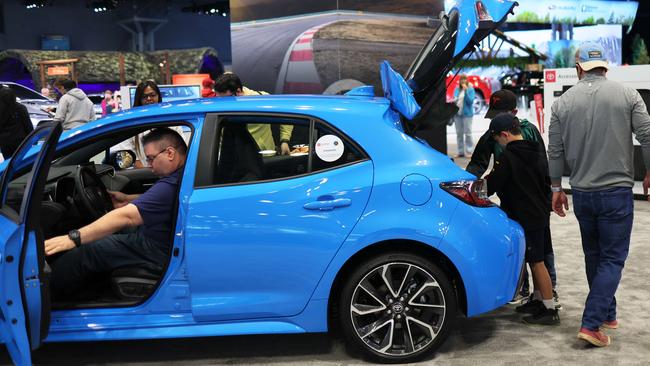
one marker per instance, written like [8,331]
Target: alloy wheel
[398,309]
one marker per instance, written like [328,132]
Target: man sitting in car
[103,246]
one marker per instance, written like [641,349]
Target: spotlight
[213,8]
[102,6]
[33,4]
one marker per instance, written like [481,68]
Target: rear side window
[249,149]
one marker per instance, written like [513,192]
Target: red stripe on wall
[302,55]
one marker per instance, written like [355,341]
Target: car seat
[133,283]
[239,158]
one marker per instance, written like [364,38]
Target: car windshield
[24,93]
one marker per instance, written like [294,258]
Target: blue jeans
[464,134]
[605,219]
[78,268]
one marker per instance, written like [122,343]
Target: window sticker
[329,148]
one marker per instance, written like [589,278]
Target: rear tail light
[472,192]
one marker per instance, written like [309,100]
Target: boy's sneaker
[609,324]
[595,337]
[556,300]
[530,307]
[543,317]
[518,299]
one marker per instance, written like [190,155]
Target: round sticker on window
[329,148]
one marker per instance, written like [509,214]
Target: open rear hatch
[459,31]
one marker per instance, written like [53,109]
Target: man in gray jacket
[75,109]
[591,128]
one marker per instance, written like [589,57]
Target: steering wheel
[92,195]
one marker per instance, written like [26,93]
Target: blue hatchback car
[363,226]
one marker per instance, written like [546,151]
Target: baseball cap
[503,122]
[501,101]
[591,55]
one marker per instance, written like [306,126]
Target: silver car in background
[35,102]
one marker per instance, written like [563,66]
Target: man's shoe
[531,307]
[595,337]
[543,317]
[556,300]
[609,324]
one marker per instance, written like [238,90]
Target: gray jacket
[74,109]
[591,127]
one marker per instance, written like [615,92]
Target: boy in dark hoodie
[520,179]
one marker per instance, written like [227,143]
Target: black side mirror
[122,159]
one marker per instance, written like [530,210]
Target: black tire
[405,328]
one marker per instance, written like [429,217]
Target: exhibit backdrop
[577,12]
[292,46]
[561,52]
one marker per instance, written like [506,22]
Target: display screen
[578,12]
[171,93]
[55,43]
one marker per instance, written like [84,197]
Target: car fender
[429,226]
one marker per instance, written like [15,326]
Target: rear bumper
[489,250]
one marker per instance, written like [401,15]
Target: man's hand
[646,184]
[119,199]
[284,149]
[560,203]
[58,244]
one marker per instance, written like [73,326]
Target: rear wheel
[397,308]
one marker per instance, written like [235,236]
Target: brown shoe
[595,337]
[609,324]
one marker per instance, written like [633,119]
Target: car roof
[320,106]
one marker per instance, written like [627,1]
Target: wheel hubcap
[398,309]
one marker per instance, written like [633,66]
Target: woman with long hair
[147,92]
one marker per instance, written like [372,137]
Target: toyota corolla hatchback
[361,226]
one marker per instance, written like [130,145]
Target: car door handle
[326,205]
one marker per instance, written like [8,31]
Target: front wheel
[397,308]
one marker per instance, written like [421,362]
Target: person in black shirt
[505,101]
[15,124]
[520,178]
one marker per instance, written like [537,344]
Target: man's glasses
[150,159]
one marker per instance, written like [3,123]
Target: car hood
[468,22]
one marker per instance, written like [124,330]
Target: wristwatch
[75,236]
[284,140]
[556,188]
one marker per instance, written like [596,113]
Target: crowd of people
[590,132]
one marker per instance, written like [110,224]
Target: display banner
[578,12]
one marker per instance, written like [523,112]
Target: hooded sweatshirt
[486,147]
[520,179]
[74,109]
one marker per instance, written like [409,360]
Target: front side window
[260,148]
